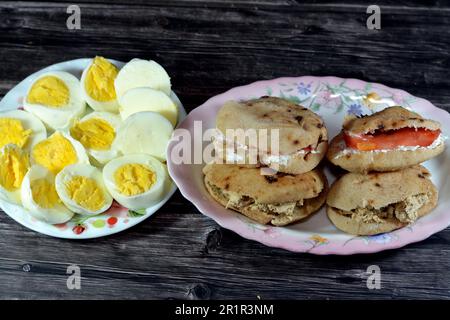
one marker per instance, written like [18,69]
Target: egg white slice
[59,118]
[29,122]
[83,170]
[103,156]
[145,132]
[53,215]
[142,200]
[147,99]
[142,73]
[108,106]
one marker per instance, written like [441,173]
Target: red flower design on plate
[79,229]
[61,226]
[111,221]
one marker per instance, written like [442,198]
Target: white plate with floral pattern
[332,98]
[114,220]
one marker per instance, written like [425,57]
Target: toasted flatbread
[367,204]
[302,139]
[278,199]
[387,120]
[391,118]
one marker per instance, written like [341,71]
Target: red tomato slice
[392,139]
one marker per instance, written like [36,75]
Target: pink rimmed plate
[332,98]
[114,220]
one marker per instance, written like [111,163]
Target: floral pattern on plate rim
[355,102]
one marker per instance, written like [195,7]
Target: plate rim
[227,222]
[104,232]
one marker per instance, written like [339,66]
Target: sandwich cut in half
[278,199]
[302,136]
[388,140]
[368,204]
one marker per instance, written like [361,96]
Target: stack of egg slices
[80,144]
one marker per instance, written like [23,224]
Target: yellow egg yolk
[86,193]
[99,83]
[95,134]
[54,153]
[133,178]
[14,164]
[49,91]
[44,193]
[12,131]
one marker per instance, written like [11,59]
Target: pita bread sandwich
[300,144]
[368,204]
[278,199]
[388,140]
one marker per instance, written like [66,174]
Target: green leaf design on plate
[340,108]
[99,223]
[79,219]
[315,106]
[136,213]
[294,99]
[269,91]
[346,99]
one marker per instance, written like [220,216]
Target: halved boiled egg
[142,73]
[81,189]
[55,98]
[97,132]
[40,198]
[147,99]
[136,181]
[97,83]
[145,132]
[20,128]
[58,151]
[14,164]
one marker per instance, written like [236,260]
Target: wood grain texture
[208,47]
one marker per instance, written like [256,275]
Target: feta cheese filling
[236,152]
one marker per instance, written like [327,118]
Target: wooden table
[208,47]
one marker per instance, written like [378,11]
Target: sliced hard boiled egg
[58,151]
[81,189]
[142,73]
[147,99]
[145,132]
[20,128]
[136,181]
[40,198]
[97,84]
[14,164]
[97,132]
[55,98]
